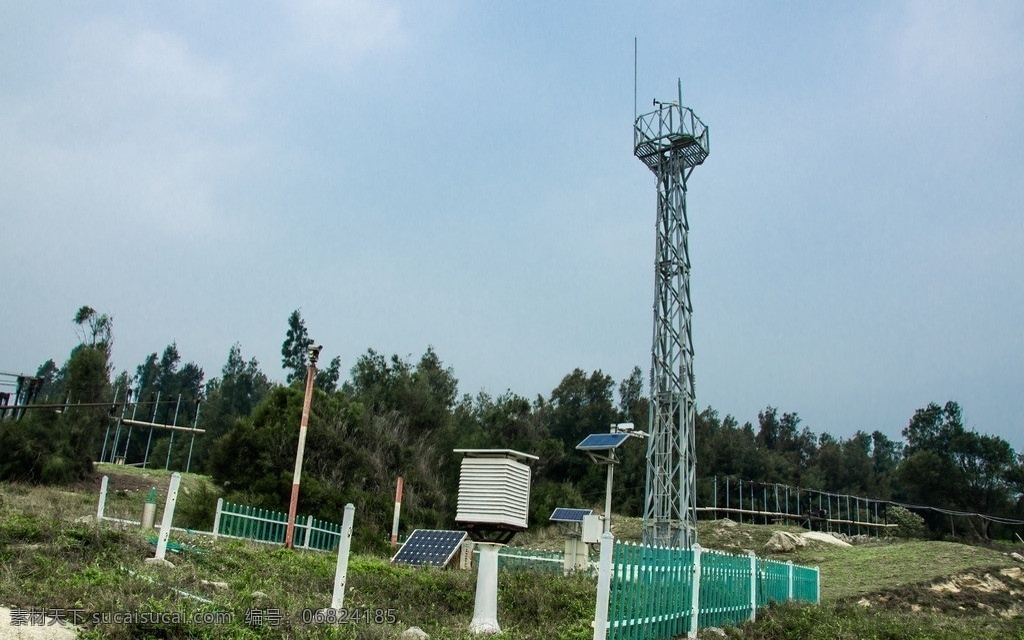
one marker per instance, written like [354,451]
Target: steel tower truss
[671,141]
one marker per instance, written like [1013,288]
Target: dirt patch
[997,591]
[25,625]
[127,481]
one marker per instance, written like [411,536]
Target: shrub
[908,524]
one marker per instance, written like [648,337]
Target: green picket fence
[265,525]
[724,589]
[651,591]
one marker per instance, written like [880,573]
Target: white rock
[414,633]
[784,542]
[827,538]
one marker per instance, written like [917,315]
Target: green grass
[53,556]
[50,559]
[869,568]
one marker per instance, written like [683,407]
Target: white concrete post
[309,534]
[696,593]
[817,580]
[753,586]
[485,609]
[216,517]
[790,563]
[604,584]
[165,524]
[103,499]
[341,572]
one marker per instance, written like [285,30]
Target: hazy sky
[460,174]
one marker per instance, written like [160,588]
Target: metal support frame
[671,141]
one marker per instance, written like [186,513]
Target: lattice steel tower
[671,141]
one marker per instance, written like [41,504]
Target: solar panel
[602,441]
[427,547]
[563,514]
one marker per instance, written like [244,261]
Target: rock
[259,594]
[784,542]
[160,561]
[1016,556]
[215,585]
[1013,572]
[414,633]
[864,602]
[821,536]
[726,522]
[714,631]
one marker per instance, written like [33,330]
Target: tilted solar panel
[428,547]
[564,514]
[602,441]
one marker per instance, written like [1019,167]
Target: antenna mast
[671,141]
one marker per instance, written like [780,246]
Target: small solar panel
[427,547]
[602,441]
[563,514]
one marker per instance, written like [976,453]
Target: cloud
[132,130]
[960,45]
[346,31]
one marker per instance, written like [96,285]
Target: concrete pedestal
[485,610]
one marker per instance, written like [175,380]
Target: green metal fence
[724,589]
[265,525]
[651,591]
[655,592]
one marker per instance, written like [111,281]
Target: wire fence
[767,503]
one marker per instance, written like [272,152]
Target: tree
[327,379]
[234,395]
[295,350]
[94,329]
[53,447]
[947,465]
[424,393]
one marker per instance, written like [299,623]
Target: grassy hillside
[53,556]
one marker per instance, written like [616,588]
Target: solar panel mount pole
[608,493]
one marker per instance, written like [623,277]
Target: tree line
[396,416]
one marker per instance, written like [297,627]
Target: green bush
[908,524]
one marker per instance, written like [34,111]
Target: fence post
[103,499]
[216,517]
[604,583]
[753,586]
[309,535]
[165,524]
[695,601]
[341,572]
[790,565]
[817,584]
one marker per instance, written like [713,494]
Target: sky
[460,174]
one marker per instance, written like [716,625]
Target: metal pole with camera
[314,353]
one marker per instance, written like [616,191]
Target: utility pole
[314,353]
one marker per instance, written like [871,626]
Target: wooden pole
[294,502]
